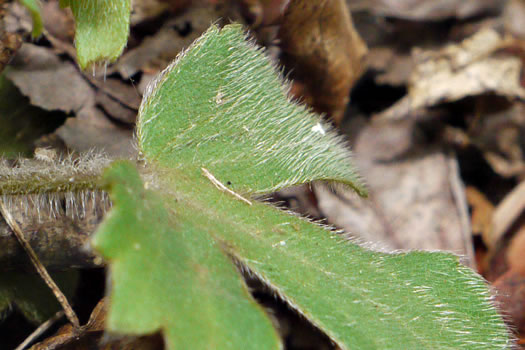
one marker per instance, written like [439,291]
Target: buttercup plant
[215,130]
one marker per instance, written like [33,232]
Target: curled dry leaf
[59,25]
[472,67]
[49,83]
[116,109]
[58,22]
[323,50]
[54,84]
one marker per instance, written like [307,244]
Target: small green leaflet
[102,29]
[166,275]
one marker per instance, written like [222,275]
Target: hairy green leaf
[219,118]
[222,106]
[167,275]
[359,298]
[102,29]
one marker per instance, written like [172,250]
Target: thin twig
[221,187]
[42,271]
[41,329]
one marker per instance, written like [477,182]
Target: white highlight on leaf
[280,243]
[318,128]
[218,98]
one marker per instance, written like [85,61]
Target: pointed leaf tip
[222,105]
[102,29]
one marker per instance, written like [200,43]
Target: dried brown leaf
[49,82]
[393,68]
[322,49]
[154,53]
[144,10]
[513,15]
[473,67]
[92,130]
[125,94]
[416,197]
[58,22]
[115,109]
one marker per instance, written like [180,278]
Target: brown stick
[42,271]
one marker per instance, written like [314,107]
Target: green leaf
[167,275]
[221,112]
[34,8]
[229,112]
[359,298]
[102,29]
[31,295]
